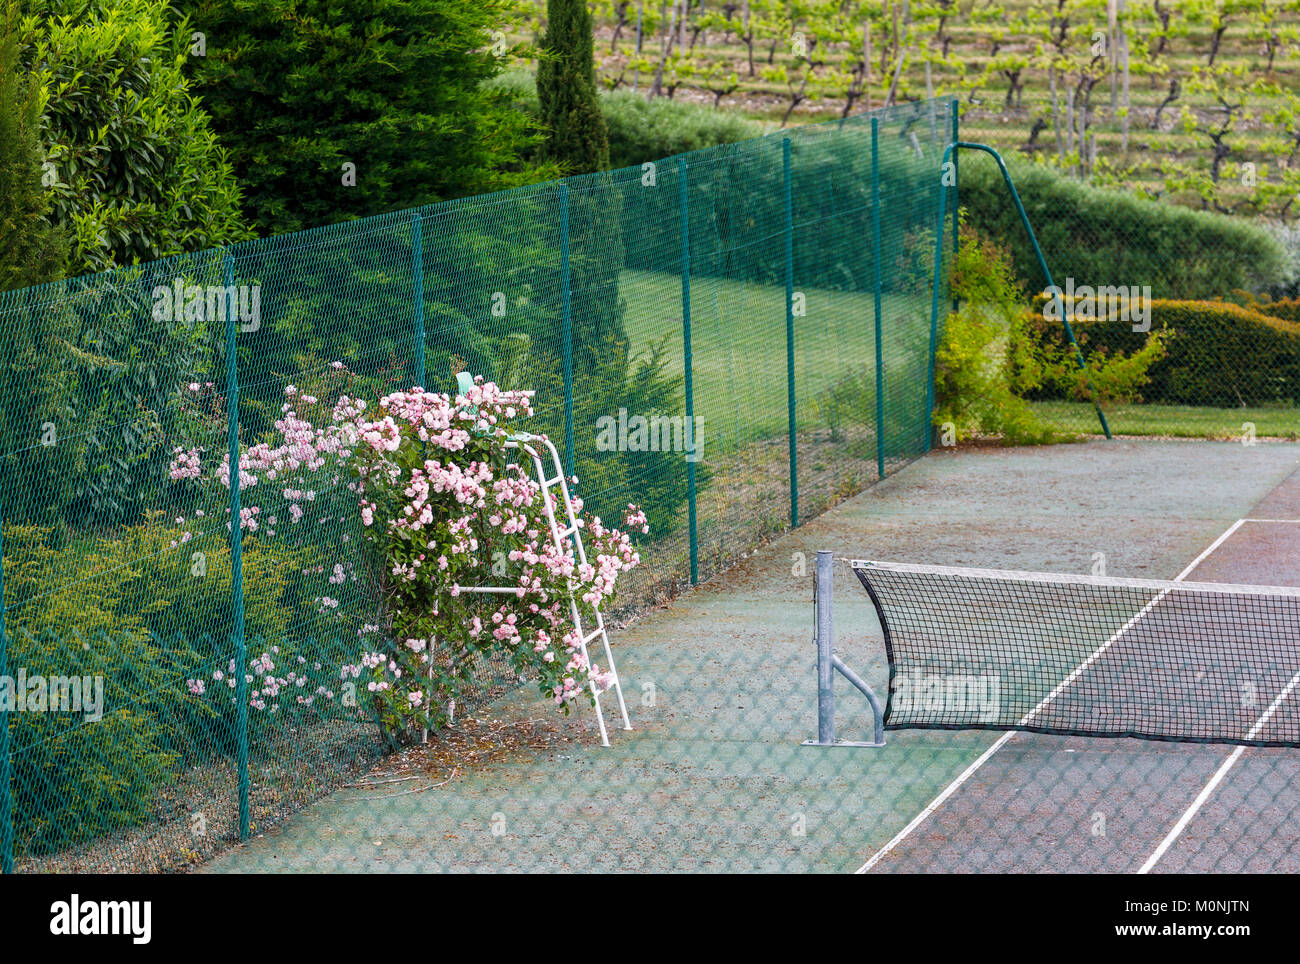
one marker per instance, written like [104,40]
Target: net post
[789,328]
[828,664]
[6,801]
[879,288]
[236,558]
[823,596]
[566,289]
[417,273]
[686,367]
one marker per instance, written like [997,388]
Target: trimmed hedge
[1220,354]
[1288,309]
[643,130]
[1104,236]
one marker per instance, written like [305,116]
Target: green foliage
[1288,309]
[139,172]
[31,249]
[1218,353]
[1098,235]
[973,391]
[33,393]
[993,356]
[643,130]
[566,90]
[145,620]
[298,89]
[75,779]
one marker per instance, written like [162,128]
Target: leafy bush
[299,88]
[972,389]
[1217,353]
[991,357]
[75,778]
[140,173]
[643,130]
[1287,309]
[576,137]
[1100,235]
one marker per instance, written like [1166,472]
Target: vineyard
[1196,102]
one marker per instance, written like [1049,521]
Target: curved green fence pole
[956,185]
[950,151]
[236,557]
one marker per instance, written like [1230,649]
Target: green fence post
[956,221]
[417,268]
[879,286]
[566,293]
[236,557]
[686,353]
[6,802]
[789,329]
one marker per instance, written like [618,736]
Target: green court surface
[721,690]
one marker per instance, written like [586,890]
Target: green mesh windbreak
[695,329]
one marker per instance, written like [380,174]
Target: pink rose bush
[443,505]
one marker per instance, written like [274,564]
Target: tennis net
[1088,655]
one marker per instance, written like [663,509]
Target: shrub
[566,89]
[972,390]
[298,88]
[1287,309]
[643,130]
[74,779]
[987,361]
[1101,235]
[140,172]
[1218,353]
[31,249]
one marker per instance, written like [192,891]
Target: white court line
[1227,764]
[952,788]
[1209,788]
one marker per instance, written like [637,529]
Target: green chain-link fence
[776,292]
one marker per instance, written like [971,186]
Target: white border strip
[1071,579]
[952,788]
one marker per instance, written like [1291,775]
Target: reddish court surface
[1039,803]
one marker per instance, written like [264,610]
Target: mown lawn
[738,351]
[1179,421]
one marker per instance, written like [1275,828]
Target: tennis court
[721,688]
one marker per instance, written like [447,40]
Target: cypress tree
[566,90]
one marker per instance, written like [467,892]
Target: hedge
[1105,236]
[1288,309]
[1219,353]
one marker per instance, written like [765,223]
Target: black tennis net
[1088,655]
